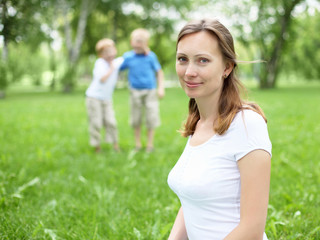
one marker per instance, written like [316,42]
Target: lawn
[53,185]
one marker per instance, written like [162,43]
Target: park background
[52,184]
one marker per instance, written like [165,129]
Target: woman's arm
[255,181]
[178,231]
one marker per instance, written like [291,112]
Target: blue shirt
[142,69]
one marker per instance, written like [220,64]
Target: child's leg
[152,115]
[136,104]
[94,109]
[110,123]
[137,137]
[150,139]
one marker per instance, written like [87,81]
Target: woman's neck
[208,109]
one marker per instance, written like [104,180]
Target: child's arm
[160,79]
[105,77]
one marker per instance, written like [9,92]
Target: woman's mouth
[192,84]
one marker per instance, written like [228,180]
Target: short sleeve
[250,133]
[117,62]
[100,68]
[124,64]
[156,65]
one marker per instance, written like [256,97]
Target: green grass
[53,186]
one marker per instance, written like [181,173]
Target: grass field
[53,186]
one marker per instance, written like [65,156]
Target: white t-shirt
[206,178]
[103,90]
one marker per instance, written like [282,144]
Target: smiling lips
[192,84]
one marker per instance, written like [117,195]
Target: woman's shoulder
[249,120]
[249,115]
[249,131]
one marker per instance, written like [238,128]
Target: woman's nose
[191,71]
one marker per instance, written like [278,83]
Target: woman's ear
[228,69]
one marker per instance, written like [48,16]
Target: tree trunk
[74,48]
[53,67]
[5,50]
[268,76]
[115,26]
[4,16]
[80,31]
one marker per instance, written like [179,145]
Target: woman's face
[200,66]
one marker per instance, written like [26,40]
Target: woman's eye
[182,59]
[203,60]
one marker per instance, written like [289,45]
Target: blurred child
[99,95]
[145,75]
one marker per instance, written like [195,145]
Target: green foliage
[3,76]
[24,63]
[304,50]
[53,186]
[20,21]
[269,30]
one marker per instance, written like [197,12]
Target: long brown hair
[230,102]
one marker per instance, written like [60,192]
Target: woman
[228,143]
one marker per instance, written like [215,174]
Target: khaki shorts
[144,101]
[101,114]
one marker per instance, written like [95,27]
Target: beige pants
[101,114]
[144,100]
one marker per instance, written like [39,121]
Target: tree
[19,24]
[269,32]
[273,55]
[304,55]
[74,46]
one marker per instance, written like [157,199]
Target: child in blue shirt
[146,83]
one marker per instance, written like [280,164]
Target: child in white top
[99,94]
